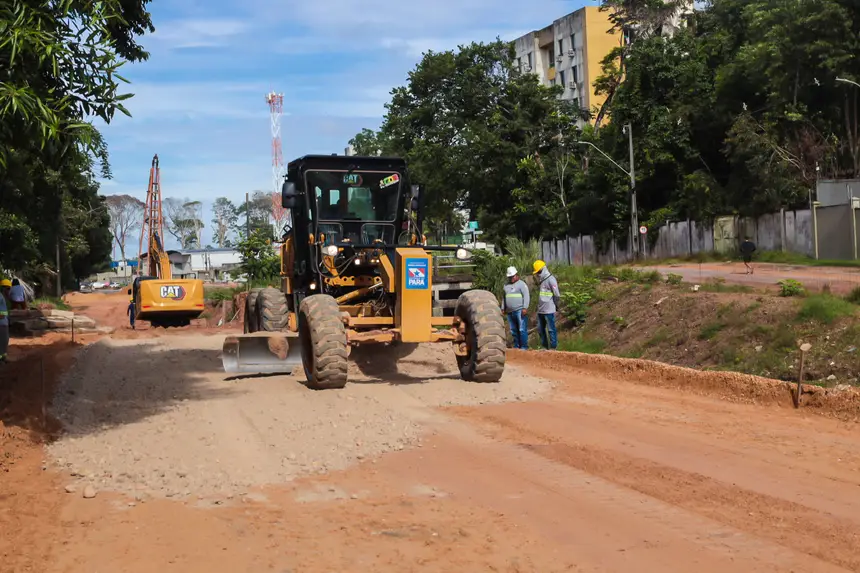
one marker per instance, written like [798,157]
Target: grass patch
[825,308]
[218,294]
[660,336]
[710,330]
[580,343]
[719,285]
[854,296]
[57,303]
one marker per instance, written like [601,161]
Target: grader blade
[262,353]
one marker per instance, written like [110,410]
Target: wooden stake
[804,348]
[44,398]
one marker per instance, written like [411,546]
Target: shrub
[674,279]
[790,287]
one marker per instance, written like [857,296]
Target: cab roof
[351,162]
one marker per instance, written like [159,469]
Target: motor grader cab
[355,270]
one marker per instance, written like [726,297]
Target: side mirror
[128,291]
[289,195]
[416,191]
[414,205]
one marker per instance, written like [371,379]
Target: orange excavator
[158,297]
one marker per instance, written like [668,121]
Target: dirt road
[566,465]
[839,280]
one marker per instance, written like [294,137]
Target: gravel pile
[159,417]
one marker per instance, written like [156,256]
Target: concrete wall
[835,233]
[599,42]
[784,231]
[829,192]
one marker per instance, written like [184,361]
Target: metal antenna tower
[276,109]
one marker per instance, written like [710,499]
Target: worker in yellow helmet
[549,299]
[5,288]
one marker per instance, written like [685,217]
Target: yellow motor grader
[355,269]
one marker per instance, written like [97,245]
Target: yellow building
[568,52]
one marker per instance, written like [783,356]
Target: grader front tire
[485,337]
[324,345]
[271,310]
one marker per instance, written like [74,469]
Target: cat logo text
[172,292]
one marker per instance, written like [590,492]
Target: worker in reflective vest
[516,306]
[548,302]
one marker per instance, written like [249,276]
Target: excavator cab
[356,269]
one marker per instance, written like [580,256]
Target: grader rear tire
[271,310]
[250,311]
[485,337]
[323,337]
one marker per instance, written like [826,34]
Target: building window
[573,41]
[575,76]
[529,56]
[520,64]
[561,47]
[551,58]
[561,79]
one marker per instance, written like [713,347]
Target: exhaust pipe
[262,353]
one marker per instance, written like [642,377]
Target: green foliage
[221,294]
[674,279]
[581,343]
[790,287]
[576,296]
[825,308]
[259,259]
[854,296]
[490,270]
[60,63]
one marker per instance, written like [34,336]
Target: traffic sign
[473,225]
[643,230]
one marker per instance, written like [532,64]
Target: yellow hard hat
[538,267]
[5,283]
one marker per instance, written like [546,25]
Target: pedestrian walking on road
[5,287]
[130,312]
[516,306]
[548,302]
[747,250]
[17,296]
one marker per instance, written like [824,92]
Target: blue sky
[200,99]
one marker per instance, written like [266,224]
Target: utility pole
[247,232]
[634,215]
[59,281]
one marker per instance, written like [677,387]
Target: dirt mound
[841,403]
[160,416]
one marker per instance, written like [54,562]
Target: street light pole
[848,81]
[634,213]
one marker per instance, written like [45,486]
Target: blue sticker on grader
[416,274]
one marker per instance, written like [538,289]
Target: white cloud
[197,33]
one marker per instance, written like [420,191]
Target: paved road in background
[841,280]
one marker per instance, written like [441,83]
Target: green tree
[60,63]
[224,221]
[259,259]
[463,121]
[369,142]
[256,214]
